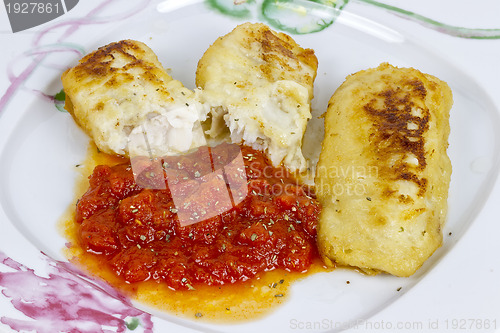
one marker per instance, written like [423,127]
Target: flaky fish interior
[124,99]
[259,85]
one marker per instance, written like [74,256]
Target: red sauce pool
[137,233]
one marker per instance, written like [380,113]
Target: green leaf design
[301,16]
[232,8]
[60,107]
[59,100]
[132,324]
[308,16]
[60,96]
[462,32]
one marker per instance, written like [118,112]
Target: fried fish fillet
[259,84]
[122,89]
[383,173]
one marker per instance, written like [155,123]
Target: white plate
[39,147]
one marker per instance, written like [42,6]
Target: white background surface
[465,284]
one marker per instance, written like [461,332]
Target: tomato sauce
[133,222]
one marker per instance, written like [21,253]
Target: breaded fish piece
[383,173]
[122,88]
[259,84]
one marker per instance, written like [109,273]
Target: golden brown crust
[115,88]
[274,50]
[278,49]
[259,85]
[383,173]
[397,131]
